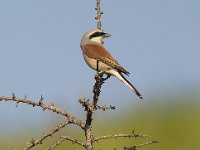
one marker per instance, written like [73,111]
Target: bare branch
[99,13]
[68,138]
[88,130]
[40,104]
[132,135]
[45,135]
[87,105]
[97,87]
[135,147]
[90,108]
[105,107]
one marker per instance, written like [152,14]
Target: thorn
[112,107]
[13,95]
[32,141]
[101,13]
[41,99]
[133,132]
[96,8]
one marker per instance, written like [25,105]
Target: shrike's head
[94,36]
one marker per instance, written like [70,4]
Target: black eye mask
[96,34]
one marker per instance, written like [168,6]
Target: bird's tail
[125,81]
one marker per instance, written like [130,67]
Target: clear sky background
[158,42]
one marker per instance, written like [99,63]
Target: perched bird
[99,59]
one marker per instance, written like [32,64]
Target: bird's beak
[106,35]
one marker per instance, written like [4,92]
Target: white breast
[92,63]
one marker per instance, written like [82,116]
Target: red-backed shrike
[99,59]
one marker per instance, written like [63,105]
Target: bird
[98,58]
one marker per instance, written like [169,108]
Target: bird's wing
[99,53]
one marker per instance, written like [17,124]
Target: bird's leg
[99,72]
[97,66]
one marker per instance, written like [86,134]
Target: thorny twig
[99,13]
[45,135]
[96,92]
[132,135]
[44,106]
[91,107]
[67,138]
[135,147]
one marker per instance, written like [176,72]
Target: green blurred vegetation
[173,121]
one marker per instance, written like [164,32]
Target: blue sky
[158,42]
